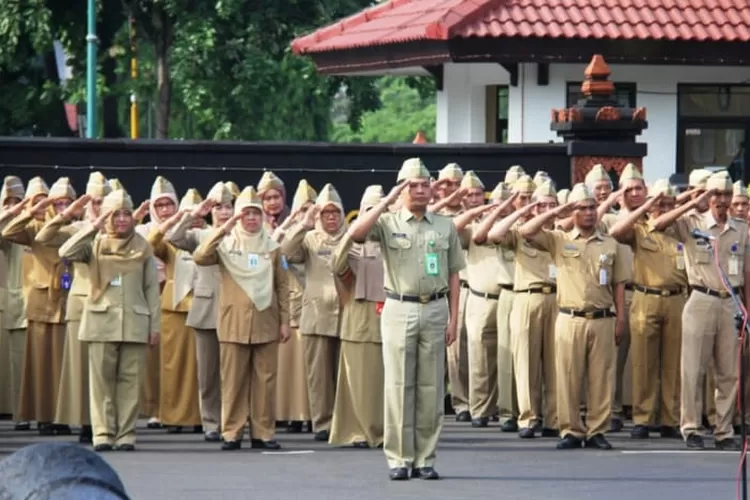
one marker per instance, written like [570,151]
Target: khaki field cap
[545,189]
[630,172]
[36,187]
[269,181]
[304,194]
[471,180]
[513,174]
[524,184]
[579,193]
[411,169]
[500,193]
[541,177]
[62,188]
[698,178]
[162,187]
[662,186]
[451,171]
[234,189]
[12,188]
[371,197]
[248,198]
[329,196]
[720,181]
[596,174]
[191,199]
[97,185]
[739,189]
[562,196]
[117,200]
[115,184]
[220,194]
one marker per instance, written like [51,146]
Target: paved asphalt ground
[473,463]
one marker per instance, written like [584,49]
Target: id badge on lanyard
[66,280]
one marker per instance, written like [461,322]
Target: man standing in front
[422,257]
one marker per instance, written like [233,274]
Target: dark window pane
[625,94]
[714,100]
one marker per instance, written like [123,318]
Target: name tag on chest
[252,260]
[116,281]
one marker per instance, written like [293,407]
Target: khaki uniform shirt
[605,224]
[296,277]
[463,274]
[12,302]
[579,263]
[406,243]
[659,259]
[239,321]
[127,311]
[534,268]
[483,264]
[168,254]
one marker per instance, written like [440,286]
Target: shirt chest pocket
[529,251]
[400,247]
[702,255]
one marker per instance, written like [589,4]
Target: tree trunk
[163,80]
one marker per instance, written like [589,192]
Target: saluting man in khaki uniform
[590,277]
[202,315]
[120,317]
[659,284]
[51,280]
[532,319]
[358,411]
[292,403]
[739,210]
[708,330]
[14,313]
[253,318]
[422,257]
[599,182]
[312,242]
[73,395]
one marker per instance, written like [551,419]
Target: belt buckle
[666,293]
[723,294]
[547,289]
[589,315]
[424,299]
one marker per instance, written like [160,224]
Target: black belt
[422,299]
[546,289]
[595,314]
[663,292]
[722,294]
[464,284]
[493,296]
[507,287]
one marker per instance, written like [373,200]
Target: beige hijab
[365,259]
[247,257]
[113,255]
[185,272]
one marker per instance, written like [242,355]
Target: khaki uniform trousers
[506,386]
[708,333]
[321,366]
[481,329]
[115,378]
[248,389]
[413,360]
[209,378]
[623,350]
[532,324]
[458,359]
[584,357]
[655,345]
[17,349]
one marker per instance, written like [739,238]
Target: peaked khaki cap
[118,199]
[596,174]
[720,181]
[115,184]
[304,194]
[234,189]
[413,168]
[12,188]
[269,180]
[630,172]
[698,178]
[191,199]
[36,187]
[220,194]
[97,185]
[471,180]
[501,192]
[371,197]
[580,192]
[513,174]
[248,198]
[524,184]
[541,177]
[739,189]
[545,189]
[162,187]
[62,188]
[562,196]
[329,196]
[663,187]
[451,171]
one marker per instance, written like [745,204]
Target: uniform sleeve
[465,235]
[151,290]
[510,240]
[21,230]
[681,228]
[378,229]
[281,283]
[78,246]
[182,237]
[622,266]
[293,245]
[155,238]
[55,232]
[340,259]
[606,223]
[546,240]
[456,259]
[640,231]
[207,252]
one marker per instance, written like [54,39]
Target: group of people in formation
[211,315]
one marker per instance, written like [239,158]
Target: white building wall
[461,117]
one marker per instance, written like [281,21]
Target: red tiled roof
[398,21]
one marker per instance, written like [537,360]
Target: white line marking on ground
[294,452]
[676,452]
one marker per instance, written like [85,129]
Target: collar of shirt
[406,215]
[708,219]
[575,233]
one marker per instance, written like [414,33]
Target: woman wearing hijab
[73,394]
[253,318]
[312,243]
[51,278]
[161,205]
[358,410]
[120,317]
[292,403]
[178,378]
[273,195]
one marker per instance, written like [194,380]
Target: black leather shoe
[509,426]
[569,442]
[197,429]
[46,429]
[294,427]
[480,422]
[85,437]
[615,425]
[526,433]
[212,436]
[639,432]
[463,416]
[264,445]
[360,444]
[669,432]
[399,474]
[125,447]
[62,430]
[599,442]
[550,433]
[231,445]
[427,473]
[321,436]
[174,429]
[727,444]
[22,426]
[495,418]
[694,442]
[103,447]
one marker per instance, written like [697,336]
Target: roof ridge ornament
[597,82]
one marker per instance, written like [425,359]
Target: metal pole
[743,410]
[134,77]
[91,67]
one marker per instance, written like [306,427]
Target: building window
[714,101]
[625,94]
[502,114]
